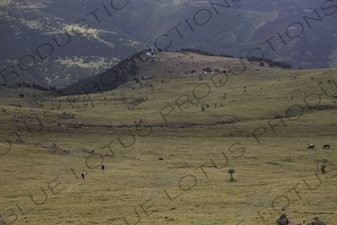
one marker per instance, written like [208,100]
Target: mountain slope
[54,43]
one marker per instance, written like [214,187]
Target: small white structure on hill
[150,54]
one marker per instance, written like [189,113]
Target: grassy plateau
[172,168]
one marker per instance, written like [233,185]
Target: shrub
[323,168]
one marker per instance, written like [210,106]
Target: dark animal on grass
[311,146]
[326,146]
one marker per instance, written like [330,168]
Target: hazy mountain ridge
[232,27]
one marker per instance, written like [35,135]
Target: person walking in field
[102,168]
[83,174]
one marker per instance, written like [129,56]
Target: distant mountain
[55,43]
[187,62]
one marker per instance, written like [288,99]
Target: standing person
[83,174]
[102,168]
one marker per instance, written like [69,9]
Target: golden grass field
[191,184]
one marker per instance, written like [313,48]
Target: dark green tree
[231,171]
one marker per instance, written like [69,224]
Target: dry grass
[136,180]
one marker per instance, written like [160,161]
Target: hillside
[165,64]
[167,144]
[57,43]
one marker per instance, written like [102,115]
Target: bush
[323,168]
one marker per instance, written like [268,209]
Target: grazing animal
[326,146]
[311,146]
